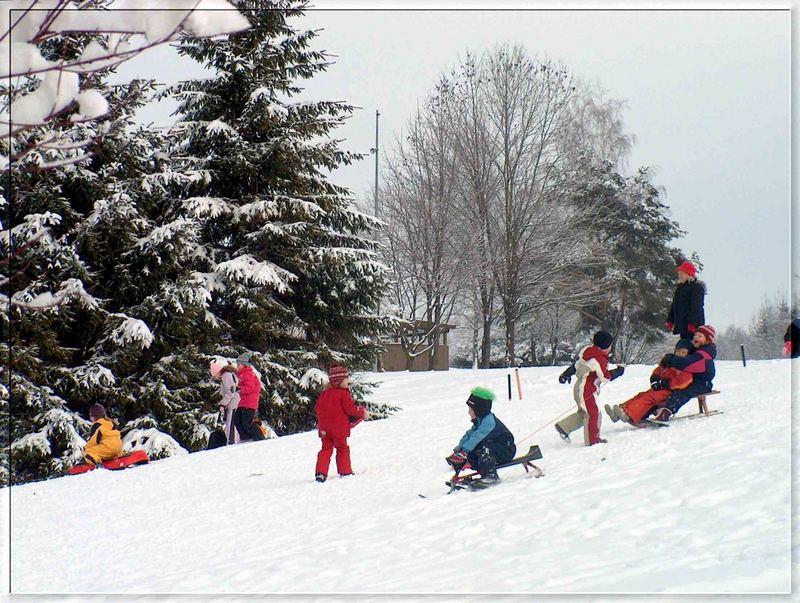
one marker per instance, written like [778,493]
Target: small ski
[654,423]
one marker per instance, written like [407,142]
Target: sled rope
[570,409]
[533,433]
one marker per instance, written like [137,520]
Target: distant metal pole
[509,386]
[744,359]
[378,305]
[377,118]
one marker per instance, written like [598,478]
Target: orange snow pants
[638,407]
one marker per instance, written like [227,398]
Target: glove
[617,372]
[691,328]
[566,376]
[660,384]
[787,348]
[457,460]
[670,326]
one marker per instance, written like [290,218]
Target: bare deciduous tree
[419,197]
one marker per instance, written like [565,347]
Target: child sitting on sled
[663,381]
[104,442]
[487,444]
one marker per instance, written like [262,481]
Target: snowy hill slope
[702,506]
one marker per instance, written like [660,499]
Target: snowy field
[703,506]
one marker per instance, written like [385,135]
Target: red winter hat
[337,374]
[709,332]
[688,268]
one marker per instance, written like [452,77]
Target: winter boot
[489,479]
[663,414]
[321,477]
[564,435]
[611,412]
[621,414]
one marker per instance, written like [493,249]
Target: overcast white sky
[708,98]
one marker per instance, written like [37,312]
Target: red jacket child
[664,380]
[249,387]
[334,408]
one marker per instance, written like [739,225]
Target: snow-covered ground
[703,506]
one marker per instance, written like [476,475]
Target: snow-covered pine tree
[289,265]
[106,238]
[636,231]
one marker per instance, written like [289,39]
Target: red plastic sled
[137,457]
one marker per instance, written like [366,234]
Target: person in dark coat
[686,312]
[335,408]
[700,364]
[791,341]
[487,443]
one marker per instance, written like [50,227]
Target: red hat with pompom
[337,374]
[708,332]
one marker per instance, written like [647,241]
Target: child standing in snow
[249,391]
[334,409]
[686,313]
[663,381]
[104,443]
[487,443]
[229,392]
[591,370]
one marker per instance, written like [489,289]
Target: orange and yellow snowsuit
[104,442]
[638,407]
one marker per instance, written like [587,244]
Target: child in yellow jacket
[104,443]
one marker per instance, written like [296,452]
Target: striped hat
[709,332]
[337,374]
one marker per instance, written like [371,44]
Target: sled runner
[702,412]
[137,457]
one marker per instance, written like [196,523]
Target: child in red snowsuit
[663,380]
[334,408]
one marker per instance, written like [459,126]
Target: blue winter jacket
[488,427]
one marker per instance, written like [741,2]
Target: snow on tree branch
[42,92]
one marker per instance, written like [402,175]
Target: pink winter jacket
[249,388]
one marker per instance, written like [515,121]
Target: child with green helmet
[485,445]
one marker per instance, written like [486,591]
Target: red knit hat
[709,332]
[688,268]
[337,374]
